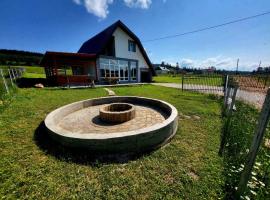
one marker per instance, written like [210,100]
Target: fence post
[225,89]
[254,148]
[228,92]
[11,80]
[13,75]
[228,114]
[4,80]
[182,82]
[233,100]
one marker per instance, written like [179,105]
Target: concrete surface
[160,127]
[254,98]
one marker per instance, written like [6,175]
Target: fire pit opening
[117,112]
[118,107]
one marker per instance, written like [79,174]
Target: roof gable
[96,44]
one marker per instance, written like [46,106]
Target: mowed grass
[34,72]
[212,80]
[188,168]
[167,79]
[31,71]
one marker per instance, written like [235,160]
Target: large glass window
[133,71]
[113,68]
[123,67]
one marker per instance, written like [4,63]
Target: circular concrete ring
[140,140]
[117,112]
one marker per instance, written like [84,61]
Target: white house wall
[121,49]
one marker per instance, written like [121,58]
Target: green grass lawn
[34,69]
[31,71]
[33,75]
[212,80]
[34,72]
[188,168]
[167,79]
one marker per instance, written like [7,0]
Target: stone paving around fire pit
[87,121]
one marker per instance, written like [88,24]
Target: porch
[64,69]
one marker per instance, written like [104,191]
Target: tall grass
[240,135]
[6,96]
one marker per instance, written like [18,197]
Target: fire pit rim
[132,107]
[117,116]
[66,134]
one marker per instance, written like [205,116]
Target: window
[131,46]
[133,71]
[122,69]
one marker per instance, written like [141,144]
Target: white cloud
[77,1]
[96,7]
[187,63]
[221,62]
[100,7]
[144,4]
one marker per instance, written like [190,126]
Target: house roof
[96,44]
[64,58]
[163,68]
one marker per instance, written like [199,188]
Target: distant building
[209,70]
[161,69]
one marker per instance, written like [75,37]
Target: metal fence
[252,88]
[245,140]
[204,83]
[8,78]
[257,83]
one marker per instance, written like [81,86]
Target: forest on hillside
[15,57]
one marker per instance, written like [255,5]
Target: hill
[16,57]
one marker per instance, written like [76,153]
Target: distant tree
[15,57]
[163,64]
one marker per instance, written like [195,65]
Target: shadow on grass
[30,82]
[77,155]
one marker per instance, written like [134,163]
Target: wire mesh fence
[246,158]
[245,138]
[212,83]
[253,83]
[8,78]
[252,88]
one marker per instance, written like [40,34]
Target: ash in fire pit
[117,112]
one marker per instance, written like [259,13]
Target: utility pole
[237,66]
[260,64]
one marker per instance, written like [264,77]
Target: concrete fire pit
[149,124]
[117,112]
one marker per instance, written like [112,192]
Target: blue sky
[63,25]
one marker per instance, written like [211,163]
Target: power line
[210,27]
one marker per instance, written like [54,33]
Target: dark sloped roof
[96,44]
[53,58]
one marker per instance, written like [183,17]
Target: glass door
[124,72]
